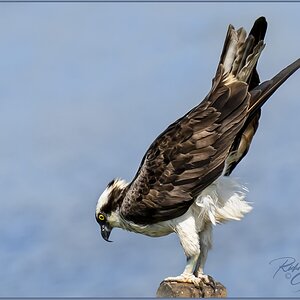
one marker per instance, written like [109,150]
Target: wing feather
[188,156]
[191,153]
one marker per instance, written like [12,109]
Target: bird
[183,184]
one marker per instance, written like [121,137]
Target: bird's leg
[190,264]
[199,273]
[205,242]
[189,240]
[187,275]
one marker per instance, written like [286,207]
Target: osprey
[183,183]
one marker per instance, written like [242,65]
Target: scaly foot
[187,278]
[203,277]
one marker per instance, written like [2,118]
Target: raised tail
[260,93]
[246,49]
[241,52]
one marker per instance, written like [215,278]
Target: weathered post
[172,289]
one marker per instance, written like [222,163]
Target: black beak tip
[105,232]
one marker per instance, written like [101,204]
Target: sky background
[84,90]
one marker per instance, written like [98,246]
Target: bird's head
[107,209]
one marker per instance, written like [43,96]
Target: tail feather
[258,31]
[253,45]
[240,53]
[250,63]
[230,48]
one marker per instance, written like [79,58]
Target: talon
[207,280]
[203,277]
[212,282]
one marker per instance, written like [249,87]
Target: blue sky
[84,89]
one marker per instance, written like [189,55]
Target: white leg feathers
[222,201]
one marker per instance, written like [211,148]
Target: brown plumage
[209,140]
[187,156]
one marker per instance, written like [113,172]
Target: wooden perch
[172,289]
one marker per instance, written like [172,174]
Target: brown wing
[188,156]
[191,153]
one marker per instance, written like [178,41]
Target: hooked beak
[105,231]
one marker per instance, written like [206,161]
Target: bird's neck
[114,219]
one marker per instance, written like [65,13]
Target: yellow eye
[101,217]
